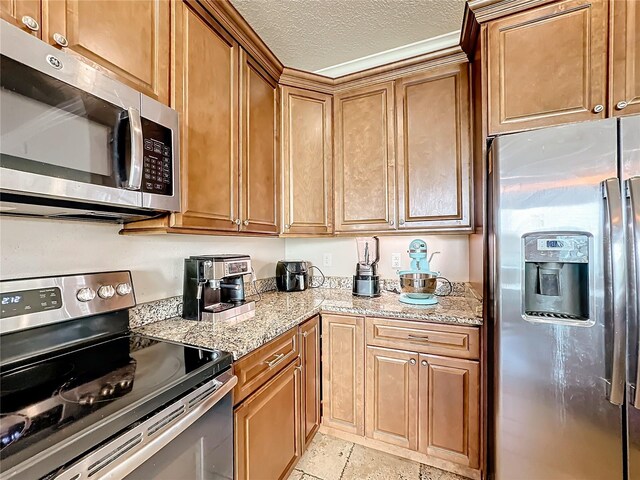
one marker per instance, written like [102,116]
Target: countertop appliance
[564,238]
[366,281]
[83,397]
[292,275]
[418,284]
[213,288]
[76,144]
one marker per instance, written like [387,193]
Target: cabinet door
[26,14]
[625,57]
[267,430]
[206,95]
[547,66]
[310,349]
[365,159]
[434,156]
[343,373]
[307,162]
[449,409]
[391,399]
[129,39]
[258,148]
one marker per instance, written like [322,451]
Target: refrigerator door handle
[633,229]
[615,284]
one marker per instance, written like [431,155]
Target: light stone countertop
[278,312]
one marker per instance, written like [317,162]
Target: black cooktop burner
[86,395]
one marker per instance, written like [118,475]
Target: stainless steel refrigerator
[564,253]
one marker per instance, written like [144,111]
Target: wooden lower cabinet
[343,373]
[25,14]
[423,406]
[449,409]
[310,351]
[391,400]
[267,428]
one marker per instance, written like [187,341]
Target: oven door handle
[124,454]
[134,176]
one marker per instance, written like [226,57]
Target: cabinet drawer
[255,369]
[449,340]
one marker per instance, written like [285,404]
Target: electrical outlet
[396,261]
[327,260]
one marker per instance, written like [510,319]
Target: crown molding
[477,12]
[391,56]
[234,23]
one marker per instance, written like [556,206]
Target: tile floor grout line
[345,463]
[308,474]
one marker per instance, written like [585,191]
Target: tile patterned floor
[329,458]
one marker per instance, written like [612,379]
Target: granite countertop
[277,312]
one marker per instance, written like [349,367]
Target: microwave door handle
[134,176]
[633,259]
[615,298]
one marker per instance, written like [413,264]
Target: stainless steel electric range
[83,397]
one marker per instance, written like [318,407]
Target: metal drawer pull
[418,337]
[276,359]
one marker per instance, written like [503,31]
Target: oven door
[68,131]
[191,439]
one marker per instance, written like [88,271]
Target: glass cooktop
[52,410]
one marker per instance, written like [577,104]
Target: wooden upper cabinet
[547,66]
[258,144]
[449,409]
[391,400]
[129,39]
[206,95]
[267,430]
[306,162]
[343,373]
[434,156]
[625,57]
[26,14]
[310,351]
[364,152]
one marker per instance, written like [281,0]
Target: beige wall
[453,261]
[37,247]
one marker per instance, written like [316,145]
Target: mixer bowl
[418,283]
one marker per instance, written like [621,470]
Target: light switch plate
[327,260]
[396,260]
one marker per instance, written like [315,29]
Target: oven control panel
[157,173]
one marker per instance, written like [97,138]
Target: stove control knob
[107,390]
[125,383]
[106,291]
[123,289]
[87,400]
[85,294]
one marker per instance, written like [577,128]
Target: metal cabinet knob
[423,363]
[237,221]
[30,23]
[391,222]
[287,226]
[598,108]
[401,222]
[246,222]
[412,361]
[60,39]
[621,105]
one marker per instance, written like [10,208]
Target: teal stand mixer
[418,284]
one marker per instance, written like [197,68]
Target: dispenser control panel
[556,248]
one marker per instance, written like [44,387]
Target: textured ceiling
[315,34]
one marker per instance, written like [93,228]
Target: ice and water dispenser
[556,277]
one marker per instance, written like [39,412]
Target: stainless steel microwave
[77,144]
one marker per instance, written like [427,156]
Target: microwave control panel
[157,173]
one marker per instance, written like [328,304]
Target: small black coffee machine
[214,288]
[366,282]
